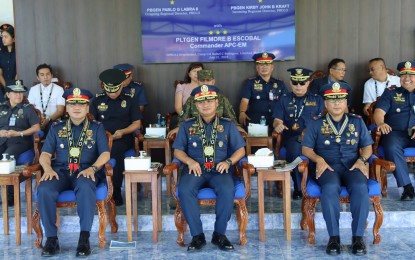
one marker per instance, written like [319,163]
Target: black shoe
[117,197]
[51,247]
[10,196]
[297,195]
[408,192]
[358,246]
[197,242]
[333,246]
[221,241]
[83,249]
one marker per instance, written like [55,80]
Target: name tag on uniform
[12,121]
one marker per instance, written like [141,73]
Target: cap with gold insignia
[112,79]
[406,67]
[263,57]
[205,92]
[77,95]
[336,90]
[17,86]
[299,74]
[126,68]
[205,75]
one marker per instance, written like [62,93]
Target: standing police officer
[136,89]
[121,117]
[208,146]
[292,113]
[395,117]
[333,142]
[260,93]
[81,148]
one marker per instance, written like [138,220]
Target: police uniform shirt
[319,137]
[116,113]
[19,118]
[228,140]
[398,103]
[257,90]
[95,143]
[8,65]
[289,107]
[137,91]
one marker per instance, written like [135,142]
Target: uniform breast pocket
[194,147]
[221,147]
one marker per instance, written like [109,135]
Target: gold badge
[220,143]
[351,128]
[89,133]
[75,151]
[191,131]
[299,72]
[275,85]
[204,89]
[103,107]
[408,65]
[336,87]
[220,128]
[264,55]
[76,92]
[208,150]
[124,104]
[327,142]
[295,127]
[353,141]
[338,140]
[132,91]
[257,85]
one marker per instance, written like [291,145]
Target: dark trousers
[119,147]
[393,145]
[223,186]
[293,151]
[47,195]
[16,146]
[356,184]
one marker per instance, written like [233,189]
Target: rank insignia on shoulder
[129,94]
[190,119]
[100,94]
[355,115]
[138,83]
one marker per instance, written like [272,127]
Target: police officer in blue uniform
[81,148]
[18,122]
[291,115]
[121,117]
[333,142]
[136,89]
[395,117]
[260,94]
[208,146]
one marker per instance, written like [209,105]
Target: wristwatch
[21,134]
[94,168]
[363,159]
[229,161]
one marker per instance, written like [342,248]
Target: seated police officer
[81,148]
[208,146]
[333,142]
[291,115]
[136,89]
[260,94]
[395,117]
[121,117]
[18,121]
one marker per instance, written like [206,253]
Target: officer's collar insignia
[335,87]
[299,72]
[264,55]
[408,65]
[220,128]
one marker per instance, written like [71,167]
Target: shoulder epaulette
[392,87]
[354,115]
[96,122]
[138,83]
[25,105]
[128,94]
[59,122]
[317,117]
[100,94]
[190,119]
[226,119]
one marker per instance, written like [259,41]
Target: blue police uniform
[296,113]
[227,142]
[137,91]
[116,114]
[262,97]
[341,152]
[57,141]
[398,103]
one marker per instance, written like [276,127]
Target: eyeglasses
[342,70]
[295,82]
[332,101]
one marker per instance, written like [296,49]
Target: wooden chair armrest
[108,169]
[168,169]
[376,138]
[28,171]
[108,176]
[303,169]
[250,169]
[387,165]
[278,142]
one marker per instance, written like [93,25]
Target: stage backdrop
[232,30]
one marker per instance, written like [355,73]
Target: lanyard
[376,87]
[208,145]
[297,116]
[334,129]
[41,99]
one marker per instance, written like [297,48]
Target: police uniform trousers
[16,146]
[223,186]
[356,184]
[85,193]
[119,147]
[293,151]
[393,145]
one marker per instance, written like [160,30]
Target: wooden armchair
[311,191]
[242,193]
[66,199]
